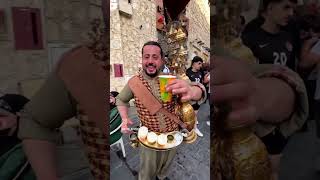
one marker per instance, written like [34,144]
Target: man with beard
[155,164]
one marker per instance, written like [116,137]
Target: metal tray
[178,138]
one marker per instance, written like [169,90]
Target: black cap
[13,102]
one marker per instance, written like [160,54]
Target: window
[2,21]
[118,70]
[125,7]
[27,28]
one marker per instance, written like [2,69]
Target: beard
[151,74]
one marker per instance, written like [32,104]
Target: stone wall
[62,22]
[69,20]
[17,65]
[198,12]
[128,34]
[115,49]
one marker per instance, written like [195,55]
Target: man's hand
[234,85]
[184,90]
[206,78]
[124,126]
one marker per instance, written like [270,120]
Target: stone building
[134,22]
[131,25]
[34,34]
[198,12]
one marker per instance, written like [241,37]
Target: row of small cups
[151,137]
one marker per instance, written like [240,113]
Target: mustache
[151,65]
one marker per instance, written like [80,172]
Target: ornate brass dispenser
[177,38]
[237,153]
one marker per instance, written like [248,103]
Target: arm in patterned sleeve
[300,108]
[204,92]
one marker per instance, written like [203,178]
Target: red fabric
[161,19]
[1,18]
[118,70]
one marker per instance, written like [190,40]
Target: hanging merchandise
[177,41]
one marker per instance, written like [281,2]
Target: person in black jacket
[272,36]
[195,74]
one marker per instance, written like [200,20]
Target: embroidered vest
[85,79]
[96,146]
[157,122]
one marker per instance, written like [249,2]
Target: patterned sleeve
[301,111]
[204,92]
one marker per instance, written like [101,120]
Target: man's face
[197,65]
[151,60]
[280,13]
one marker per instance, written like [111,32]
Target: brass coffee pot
[186,113]
[237,153]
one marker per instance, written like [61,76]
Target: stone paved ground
[190,163]
[301,157]
[299,161]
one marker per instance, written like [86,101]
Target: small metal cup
[134,141]
[135,129]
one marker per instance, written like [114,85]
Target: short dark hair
[267,2]
[196,59]
[154,43]
[114,93]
